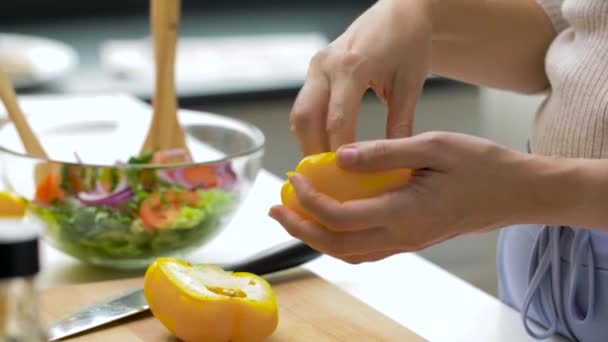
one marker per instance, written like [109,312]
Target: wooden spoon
[164,132]
[26,134]
[9,98]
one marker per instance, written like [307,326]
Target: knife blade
[277,258]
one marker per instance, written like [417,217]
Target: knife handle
[278,258]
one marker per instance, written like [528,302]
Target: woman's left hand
[461,184]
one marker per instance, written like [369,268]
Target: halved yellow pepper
[11,206]
[206,303]
[327,177]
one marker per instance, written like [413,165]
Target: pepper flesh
[206,303]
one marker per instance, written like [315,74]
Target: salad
[133,212]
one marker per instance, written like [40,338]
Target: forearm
[565,191]
[495,43]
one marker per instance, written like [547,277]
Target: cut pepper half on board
[206,303]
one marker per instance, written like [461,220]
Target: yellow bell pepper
[11,206]
[327,177]
[206,303]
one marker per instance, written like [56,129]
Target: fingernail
[270,212]
[348,155]
[273,211]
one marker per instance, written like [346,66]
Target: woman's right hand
[388,49]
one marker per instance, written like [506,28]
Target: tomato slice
[49,188]
[207,176]
[201,175]
[159,209]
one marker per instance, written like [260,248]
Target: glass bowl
[105,203]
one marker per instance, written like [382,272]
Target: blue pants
[558,277]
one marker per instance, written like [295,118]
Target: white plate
[31,61]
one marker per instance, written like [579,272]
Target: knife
[277,258]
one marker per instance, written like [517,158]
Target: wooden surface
[310,309]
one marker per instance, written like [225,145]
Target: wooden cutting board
[310,309]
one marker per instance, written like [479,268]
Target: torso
[572,122]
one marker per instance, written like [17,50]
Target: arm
[393,46]
[460,184]
[495,43]
[569,191]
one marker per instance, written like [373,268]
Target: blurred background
[247,60]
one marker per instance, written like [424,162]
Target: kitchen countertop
[407,288]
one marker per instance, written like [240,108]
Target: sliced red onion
[99,188]
[227,185]
[118,200]
[226,177]
[119,187]
[100,196]
[180,179]
[227,170]
[115,198]
[175,176]
[166,175]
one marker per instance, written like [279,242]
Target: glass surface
[19,311]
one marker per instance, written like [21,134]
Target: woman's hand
[388,49]
[461,184]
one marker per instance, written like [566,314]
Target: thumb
[418,152]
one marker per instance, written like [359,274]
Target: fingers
[309,113]
[324,115]
[401,107]
[346,94]
[341,217]
[325,112]
[370,241]
[418,152]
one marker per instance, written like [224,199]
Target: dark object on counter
[18,299]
